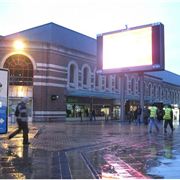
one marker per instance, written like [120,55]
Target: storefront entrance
[83,106]
[21,82]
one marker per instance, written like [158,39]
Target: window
[132,86]
[117,82]
[72,73]
[154,91]
[96,79]
[107,81]
[149,89]
[21,70]
[159,92]
[139,86]
[85,76]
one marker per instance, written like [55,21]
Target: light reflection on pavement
[91,150]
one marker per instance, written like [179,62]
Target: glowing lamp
[19,45]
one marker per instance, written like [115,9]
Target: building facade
[56,68]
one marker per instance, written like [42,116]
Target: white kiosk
[4,81]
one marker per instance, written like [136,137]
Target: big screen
[134,49]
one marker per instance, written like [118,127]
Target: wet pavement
[88,150]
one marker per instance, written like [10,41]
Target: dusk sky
[92,17]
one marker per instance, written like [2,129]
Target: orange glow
[127,49]
[19,45]
[20,91]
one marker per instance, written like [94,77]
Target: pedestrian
[93,115]
[160,114]
[138,115]
[146,113]
[153,118]
[131,115]
[80,115]
[168,118]
[21,114]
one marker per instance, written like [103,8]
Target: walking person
[93,115]
[160,114]
[21,114]
[146,113]
[168,118]
[153,118]
[138,115]
[80,115]
[131,115]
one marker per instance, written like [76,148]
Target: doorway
[20,83]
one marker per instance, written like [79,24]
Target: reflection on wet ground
[91,150]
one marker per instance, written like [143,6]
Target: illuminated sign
[130,50]
[3,101]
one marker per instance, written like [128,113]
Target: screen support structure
[122,97]
[141,75]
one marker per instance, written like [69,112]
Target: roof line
[50,23]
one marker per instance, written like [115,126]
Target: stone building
[56,67]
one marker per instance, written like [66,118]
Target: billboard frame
[158,53]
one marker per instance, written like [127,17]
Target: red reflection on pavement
[117,168]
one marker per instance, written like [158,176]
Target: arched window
[72,74]
[159,92]
[139,86]
[85,76]
[21,70]
[96,79]
[172,97]
[117,82]
[162,93]
[166,94]
[132,85]
[154,91]
[149,89]
[107,81]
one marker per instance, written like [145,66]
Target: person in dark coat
[93,115]
[146,113]
[21,114]
[138,115]
[168,118]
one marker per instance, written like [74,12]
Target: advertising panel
[3,101]
[134,49]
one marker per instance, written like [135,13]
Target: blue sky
[92,17]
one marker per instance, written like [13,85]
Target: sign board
[136,49]
[4,100]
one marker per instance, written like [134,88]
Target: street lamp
[19,45]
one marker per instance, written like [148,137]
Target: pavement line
[90,166]
[65,170]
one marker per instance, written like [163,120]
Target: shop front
[83,106]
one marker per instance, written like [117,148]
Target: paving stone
[88,150]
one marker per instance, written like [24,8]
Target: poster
[3,101]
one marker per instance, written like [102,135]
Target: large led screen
[3,101]
[135,49]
